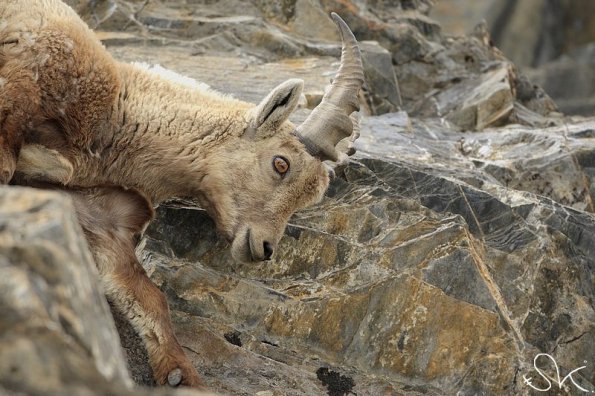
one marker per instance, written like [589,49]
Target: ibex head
[256,182]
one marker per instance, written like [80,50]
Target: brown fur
[111,217]
[71,114]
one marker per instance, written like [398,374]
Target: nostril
[268,250]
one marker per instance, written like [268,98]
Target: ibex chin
[120,139]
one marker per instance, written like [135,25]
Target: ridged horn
[330,121]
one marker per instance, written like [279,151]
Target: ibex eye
[281,165]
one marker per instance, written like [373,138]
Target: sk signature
[556,380]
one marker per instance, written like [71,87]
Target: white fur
[173,76]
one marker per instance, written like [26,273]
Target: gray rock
[554,53]
[478,103]
[399,274]
[556,27]
[57,334]
[381,83]
[570,80]
[439,74]
[555,162]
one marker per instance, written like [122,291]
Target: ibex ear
[274,109]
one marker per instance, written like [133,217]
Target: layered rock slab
[421,280]
[556,162]
[57,335]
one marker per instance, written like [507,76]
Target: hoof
[174,378]
[37,162]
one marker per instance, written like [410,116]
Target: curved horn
[330,121]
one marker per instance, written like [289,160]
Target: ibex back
[120,139]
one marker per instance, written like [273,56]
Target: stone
[486,101]
[555,162]
[556,53]
[557,27]
[380,79]
[570,80]
[57,332]
[459,17]
[399,272]
[57,335]
[311,22]
[451,77]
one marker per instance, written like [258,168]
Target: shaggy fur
[72,115]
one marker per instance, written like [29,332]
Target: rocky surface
[425,275]
[57,335]
[456,246]
[552,41]
[56,330]
[570,79]
[555,162]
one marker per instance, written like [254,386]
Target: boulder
[400,280]
[557,27]
[570,79]
[556,53]
[382,88]
[57,332]
[57,335]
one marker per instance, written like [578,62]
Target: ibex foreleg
[110,218]
[19,100]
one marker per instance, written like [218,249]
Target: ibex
[121,139]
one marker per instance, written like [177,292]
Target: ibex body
[121,139]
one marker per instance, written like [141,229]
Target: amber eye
[281,165]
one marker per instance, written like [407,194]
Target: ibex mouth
[260,250]
[250,246]
[244,249]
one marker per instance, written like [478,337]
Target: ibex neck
[167,131]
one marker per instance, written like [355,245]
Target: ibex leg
[110,218]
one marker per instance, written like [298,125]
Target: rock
[380,79]
[95,12]
[542,161]
[570,80]
[557,27]
[311,22]
[427,64]
[556,53]
[401,274]
[480,103]
[57,335]
[459,17]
